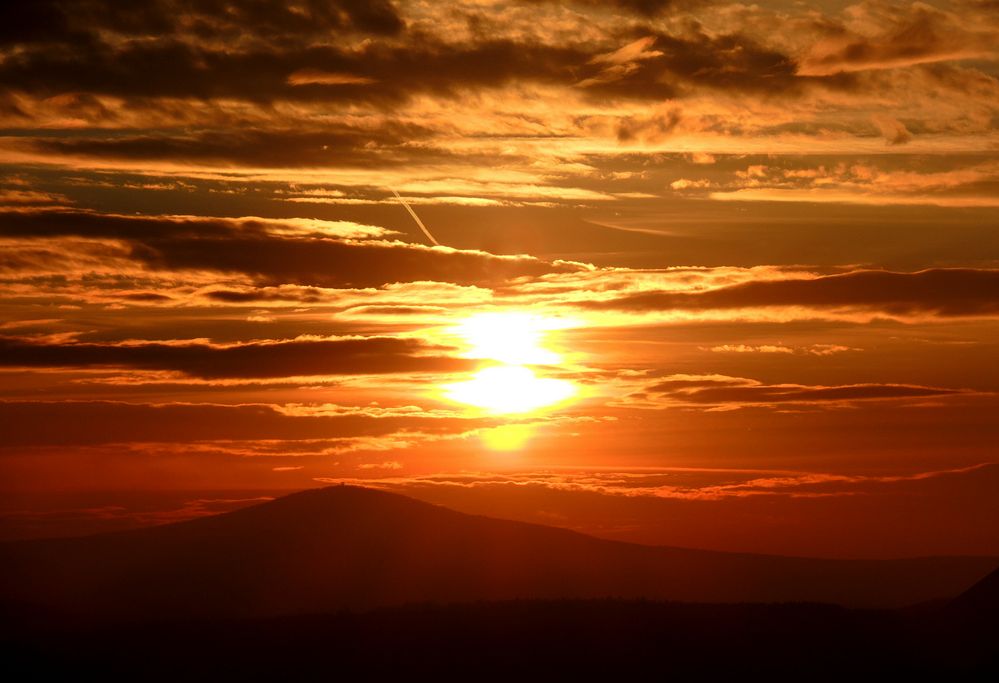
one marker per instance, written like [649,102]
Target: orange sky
[758,243]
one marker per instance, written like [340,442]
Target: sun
[513,338]
[511,341]
[507,389]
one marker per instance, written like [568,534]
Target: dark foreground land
[353,584]
[524,639]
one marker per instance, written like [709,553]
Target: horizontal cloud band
[290,358]
[945,292]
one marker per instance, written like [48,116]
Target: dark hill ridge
[982,599]
[349,547]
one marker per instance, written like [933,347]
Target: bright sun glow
[505,389]
[513,341]
[511,437]
[512,338]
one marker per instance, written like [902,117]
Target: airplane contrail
[415,217]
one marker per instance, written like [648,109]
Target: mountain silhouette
[981,600]
[346,547]
[985,592]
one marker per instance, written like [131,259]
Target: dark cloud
[331,263]
[73,423]
[382,72]
[922,34]
[944,292]
[715,392]
[644,8]
[388,145]
[30,22]
[696,383]
[9,107]
[670,65]
[90,224]
[394,309]
[389,72]
[656,127]
[647,8]
[73,21]
[251,247]
[243,296]
[298,357]
[146,297]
